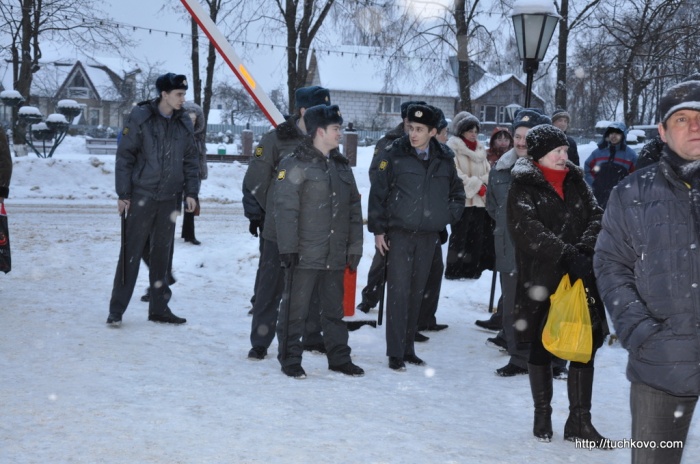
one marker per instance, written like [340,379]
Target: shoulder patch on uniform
[258,152]
[281,174]
[383,164]
[125,131]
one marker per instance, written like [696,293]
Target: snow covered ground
[74,391]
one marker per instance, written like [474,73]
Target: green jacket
[317,209]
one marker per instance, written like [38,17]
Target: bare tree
[237,103]
[641,34]
[570,20]
[80,23]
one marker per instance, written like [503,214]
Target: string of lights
[498,63]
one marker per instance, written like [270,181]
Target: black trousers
[431,296]
[268,294]
[466,245]
[408,268]
[188,226]
[327,288]
[147,218]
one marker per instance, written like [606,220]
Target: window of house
[488,113]
[391,105]
[94,118]
[78,87]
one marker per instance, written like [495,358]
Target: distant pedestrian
[466,245]
[611,162]
[501,141]
[156,160]
[562,119]
[194,111]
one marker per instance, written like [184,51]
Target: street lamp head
[534,22]
[11,98]
[512,109]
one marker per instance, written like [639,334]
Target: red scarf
[555,177]
[470,145]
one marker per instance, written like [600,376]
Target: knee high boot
[541,386]
[578,425]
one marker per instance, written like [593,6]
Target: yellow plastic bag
[568,333]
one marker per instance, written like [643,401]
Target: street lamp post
[534,22]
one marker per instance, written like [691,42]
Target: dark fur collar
[288,130]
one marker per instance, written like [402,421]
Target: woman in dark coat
[194,111]
[554,220]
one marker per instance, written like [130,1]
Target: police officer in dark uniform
[375,276]
[155,159]
[319,233]
[258,183]
[415,194]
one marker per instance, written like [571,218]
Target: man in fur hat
[156,160]
[416,193]
[258,206]
[319,232]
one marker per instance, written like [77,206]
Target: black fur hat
[405,105]
[422,114]
[306,97]
[321,116]
[440,118]
[530,117]
[170,81]
[544,138]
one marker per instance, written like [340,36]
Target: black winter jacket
[395,133]
[648,266]
[405,195]
[157,156]
[317,209]
[262,171]
[547,230]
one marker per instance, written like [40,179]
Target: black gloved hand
[579,267]
[254,226]
[353,261]
[289,259]
[443,236]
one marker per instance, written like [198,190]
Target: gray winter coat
[647,262]
[156,156]
[262,171]
[496,205]
[200,136]
[409,195]
[317,209]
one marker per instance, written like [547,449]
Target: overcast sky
[174,51]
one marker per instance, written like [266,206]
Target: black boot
[541,386]
[578,425]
